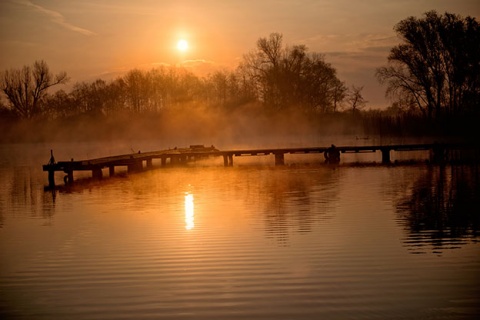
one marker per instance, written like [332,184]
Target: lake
[252,241]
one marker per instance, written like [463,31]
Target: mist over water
[252,241]
[245,126]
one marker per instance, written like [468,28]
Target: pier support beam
[111,171]
[437,154]
[163,161]
[97,173]
[174,159]
[135,166]
[228,160]
[68,179]
[279,159]
[385,155]
[149,163]
[51,178]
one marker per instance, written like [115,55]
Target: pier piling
[279,159]
[385,155]
[228,160]
[51,178]
[97,173]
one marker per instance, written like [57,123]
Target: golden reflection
[189,212]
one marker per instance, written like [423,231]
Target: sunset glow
[182,45]
[354,38]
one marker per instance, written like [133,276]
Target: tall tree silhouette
[289,76]
[437,65]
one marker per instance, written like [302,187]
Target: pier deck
[134,161]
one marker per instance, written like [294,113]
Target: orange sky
[102,38]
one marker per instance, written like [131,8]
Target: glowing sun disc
[182,45]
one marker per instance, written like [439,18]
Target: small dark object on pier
[332,155]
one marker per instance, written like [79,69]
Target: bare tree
[339,92]
[285,77]
[322,90]
[25,88]
[355,98]
[263,68]
[270,49]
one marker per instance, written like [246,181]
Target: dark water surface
[304,241]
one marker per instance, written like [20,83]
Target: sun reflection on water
[189,212]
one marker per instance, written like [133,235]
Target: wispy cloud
[55,17]
[196,62]
[352,42]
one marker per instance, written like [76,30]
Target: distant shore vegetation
[432,78]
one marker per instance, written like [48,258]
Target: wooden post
[437,154]
[385,155]
[164,161]
[279,159]
[68,179]
[135,166]
[97,173]
[51,178]
[228,160]
[149,163]
[111,171]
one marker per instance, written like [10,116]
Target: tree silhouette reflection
[443,209]
[294,202]
[21,185]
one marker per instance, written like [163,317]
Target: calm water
[304,241]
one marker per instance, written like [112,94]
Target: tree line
[274,76]
[433,74]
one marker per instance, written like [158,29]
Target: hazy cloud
[200,66]
[350,42]
[55,17]
[196,62]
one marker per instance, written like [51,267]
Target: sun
[182,45]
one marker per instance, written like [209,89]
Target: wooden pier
[439,152]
